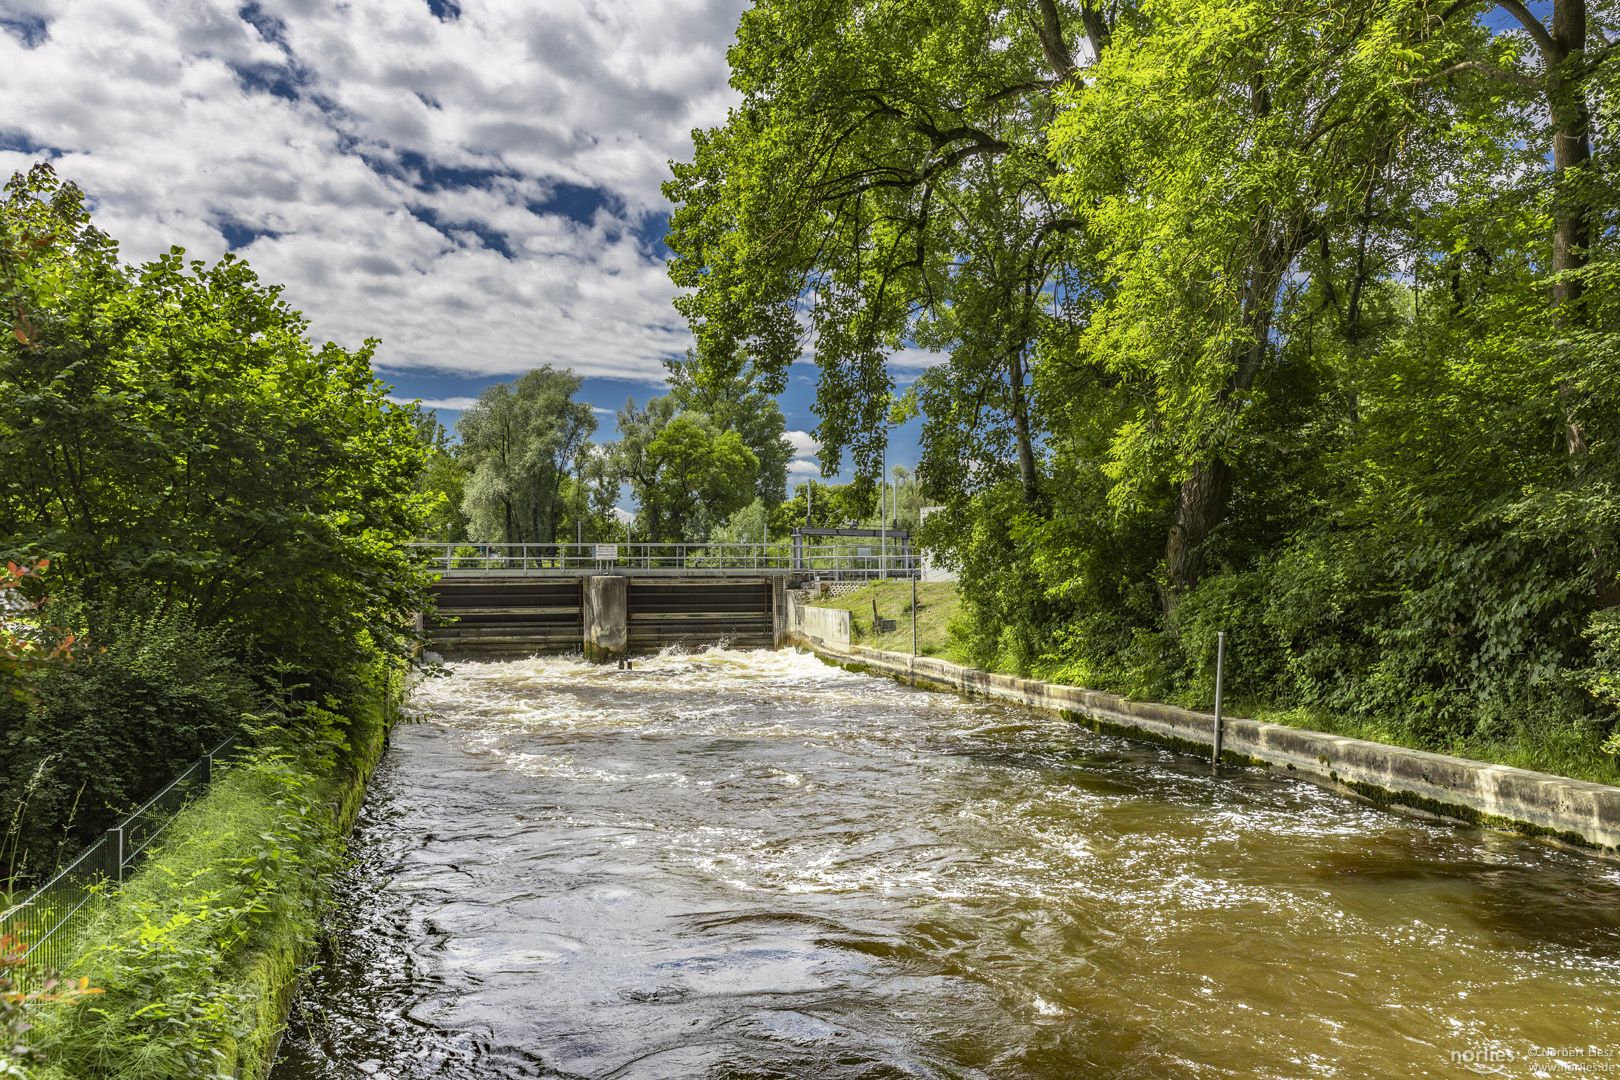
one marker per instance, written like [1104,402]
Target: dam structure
[611,601]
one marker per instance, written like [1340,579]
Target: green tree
[443,479]
[639,426]
[827,506]
[703,476]
[169,429]
[517,445]
[884,182]
[737,404]
[1302,111]
[590,497]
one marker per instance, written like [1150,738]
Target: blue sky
[474,182]
[446,390]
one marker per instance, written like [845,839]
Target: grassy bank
[199,953]
[937,605]
[1562,752]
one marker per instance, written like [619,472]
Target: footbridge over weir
[615,600]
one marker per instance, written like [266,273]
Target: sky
[474,182]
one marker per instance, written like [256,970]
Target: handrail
[824,561]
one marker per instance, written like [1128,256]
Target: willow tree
[517,444]
[883,185]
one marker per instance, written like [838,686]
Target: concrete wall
[605,617]
[932,571]
[818,626]
[1574,811]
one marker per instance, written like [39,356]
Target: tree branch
[1441,18]
[1020,89]
[1096,29]
[1484,69]
[1533,27]
[1050,31]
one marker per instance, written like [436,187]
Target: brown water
[748,864]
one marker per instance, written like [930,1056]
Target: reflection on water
[748,864]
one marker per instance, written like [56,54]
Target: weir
[613,600]
[604,615]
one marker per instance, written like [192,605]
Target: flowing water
[750,864]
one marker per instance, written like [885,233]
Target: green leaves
[171,427]
[881,185]
[701,476]
[517,444]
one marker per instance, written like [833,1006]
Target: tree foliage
[882,184]
[517,445]
[688,476]
[169,429]
[1308,309]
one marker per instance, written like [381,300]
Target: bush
[110,731]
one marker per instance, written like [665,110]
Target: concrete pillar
[606,617]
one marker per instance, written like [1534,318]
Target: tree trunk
[1201,501]
[1020,413]
[1200,505]
[1572,147]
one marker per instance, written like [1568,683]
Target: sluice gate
[514,614]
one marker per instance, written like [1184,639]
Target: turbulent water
[750,864]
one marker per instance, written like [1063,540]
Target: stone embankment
[1577,812]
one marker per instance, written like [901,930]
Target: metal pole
[883,519]
[1220,672]
[914,617]
[115,841]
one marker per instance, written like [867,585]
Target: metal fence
[48,923]
[832,561]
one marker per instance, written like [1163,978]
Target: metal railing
[840,561]
[47,923]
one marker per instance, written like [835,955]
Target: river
[738,865]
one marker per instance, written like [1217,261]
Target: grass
[198,954]
[937,604]
[1560,751]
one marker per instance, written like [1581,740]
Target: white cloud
[804,467]
[482,194]
[918,358]
[801,442]
[455,404]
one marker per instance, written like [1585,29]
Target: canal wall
[278,966]
[1573,811]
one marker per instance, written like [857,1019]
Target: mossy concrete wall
[820,626]
[1574,811]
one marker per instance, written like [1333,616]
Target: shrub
[110,731]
